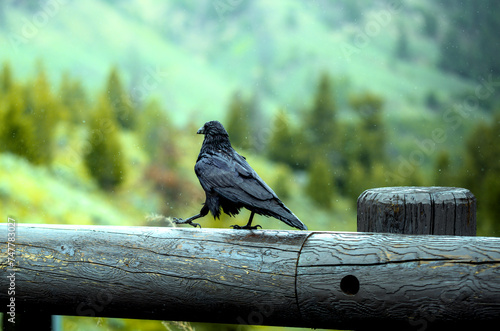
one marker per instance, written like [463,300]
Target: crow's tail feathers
[295,222]
[289,218]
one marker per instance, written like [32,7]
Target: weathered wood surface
[404,281]
[418,210]
[287,278]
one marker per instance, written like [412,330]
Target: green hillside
[200,54]
[193,57]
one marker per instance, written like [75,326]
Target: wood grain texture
[418,210]
[286,278]
[404,281]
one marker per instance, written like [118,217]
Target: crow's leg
[248,226]
[203,212]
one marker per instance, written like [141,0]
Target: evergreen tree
[120,101]
[489,203]
[355,180]
[104,160]
[371,132]
[432,100]
[481,170]
[16,128]
[281,182]
[320,186]
[479,157]
[257,124]
[430,23]
[451,53]
[320,121]
[73,99]
[238,122]
[402,43]
[6,79]
[157,134]
[443,170]
[280,147]
[353,10]
[45,113]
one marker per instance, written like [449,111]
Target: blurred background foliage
[100,102]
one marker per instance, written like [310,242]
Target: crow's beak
[200,130]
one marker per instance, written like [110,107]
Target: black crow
[229,182]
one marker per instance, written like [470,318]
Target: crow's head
[216,137]
[213,128]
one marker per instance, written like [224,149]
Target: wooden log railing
[267,277]
[287,278]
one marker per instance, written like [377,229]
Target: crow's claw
[245,227]
[181,221]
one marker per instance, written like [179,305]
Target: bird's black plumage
[231,184]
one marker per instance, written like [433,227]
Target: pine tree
[104,160]
[280,147]
[157,134]
[477,159]
[443,170]
[355,180]
[320,121]
[45,113]
[120,101]
[481,170]
[16,128]
[452,53]
[402,44]
[320,186]
[371,132]
[489,202]
[257,124]
[6,79]
[431,23]
[73,98]
[238,122]
[281,185]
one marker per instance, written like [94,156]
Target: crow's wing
[234,179]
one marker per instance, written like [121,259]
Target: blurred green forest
[324,98]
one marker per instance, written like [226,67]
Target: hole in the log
[349,285]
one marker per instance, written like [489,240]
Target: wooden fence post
[418,210]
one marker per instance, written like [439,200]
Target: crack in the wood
[455,261]
[296,274]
